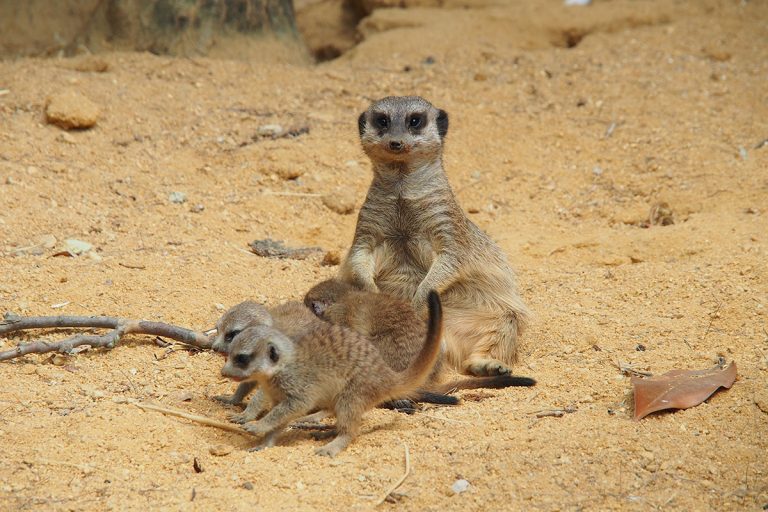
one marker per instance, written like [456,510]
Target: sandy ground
[559,153]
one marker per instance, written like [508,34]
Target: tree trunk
[177,27]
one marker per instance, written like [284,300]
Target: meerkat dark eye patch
[442,123]
[381,120]
[273,355]
[229,336]
[241,360]
[416,121]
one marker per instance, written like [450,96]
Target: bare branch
[12,323]
[120,327]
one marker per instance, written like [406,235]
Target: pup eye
[228,337]
[273,355]
[318,307]
[242,360]
[415,121]
[382,121]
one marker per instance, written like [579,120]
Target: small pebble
[220,450]
[66,137]
[459,486]
[270,130]
[177,197]
[76,247]
[248,486]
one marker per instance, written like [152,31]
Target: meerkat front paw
[227,399]
[241,417]
[255,428]
[487,367]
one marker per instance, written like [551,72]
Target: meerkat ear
[274,355]
[442,123]
[361,124]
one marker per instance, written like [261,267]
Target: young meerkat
[412,236]
[328,368]
[291,318]
[397,331]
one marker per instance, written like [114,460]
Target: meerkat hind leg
[348,418]
[480,366]
[480,343]
[268,442]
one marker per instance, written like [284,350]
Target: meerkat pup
[328,368]
[412,237]
[397,331]
[290,318]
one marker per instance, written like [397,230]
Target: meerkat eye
[228,337]
[415,121]
[242,360]
[273,355]
[318,307]
[382,121]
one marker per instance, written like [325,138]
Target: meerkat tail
[435,397]
[495,382]
[423,364]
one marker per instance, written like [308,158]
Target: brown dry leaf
[679,389]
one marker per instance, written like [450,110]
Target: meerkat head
[258,352]
[324,294]
[403,129]
[235,320]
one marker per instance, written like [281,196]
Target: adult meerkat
[291,318]
[328,368]
[395,329]
[412,236]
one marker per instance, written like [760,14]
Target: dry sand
[558,152]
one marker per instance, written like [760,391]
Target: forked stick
[120,327]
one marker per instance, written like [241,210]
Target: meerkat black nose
[395,145]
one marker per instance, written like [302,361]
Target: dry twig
[192,417]
[631,369]
[402,478]
[120,327]
[555,413]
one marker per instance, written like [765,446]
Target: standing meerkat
[291,318]
[328,368]
[412,236]
[395,329]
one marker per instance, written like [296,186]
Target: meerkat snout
[396,145]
